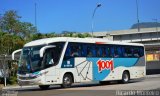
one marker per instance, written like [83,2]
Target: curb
[17,87]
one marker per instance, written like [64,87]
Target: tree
[49,35]
[13,35]
[10,23]
[36,36]
[9,43]
[26,30]
[75,34]
[9,20]
[68,34]
[86,35]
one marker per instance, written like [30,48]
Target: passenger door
[50,61]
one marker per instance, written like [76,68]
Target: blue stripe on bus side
[126,62]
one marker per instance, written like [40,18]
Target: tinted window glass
[128,51]
[99,51]
[138,51]
[107,51]
[96,50]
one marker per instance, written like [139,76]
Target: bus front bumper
[36,81]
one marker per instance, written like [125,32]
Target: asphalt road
[110,89]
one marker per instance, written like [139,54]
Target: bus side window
[123,52]
[141,51]
[136,52]
[129,51]
[93,50]
[84,50]
[49,58]
[80,50]
[112,51]
[68,51]
[89,51]
[99,51]
[108,51]
[103,52]
[75,51]
[120,51]
[116,54]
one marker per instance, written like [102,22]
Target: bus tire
[44,87]
[67,81]
[125,77]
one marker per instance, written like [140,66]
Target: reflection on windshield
[30,60]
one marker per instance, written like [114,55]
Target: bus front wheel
[125,77]
[67,81]
[44,87]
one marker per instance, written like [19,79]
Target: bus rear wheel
[67,81]
[44,87]
[125,77]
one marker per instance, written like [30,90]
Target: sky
[76,15]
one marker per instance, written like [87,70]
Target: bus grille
[26,78]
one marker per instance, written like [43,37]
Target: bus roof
[80,40]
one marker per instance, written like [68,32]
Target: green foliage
[9,20]
[36,36]
[13,32]
[12,80]
[9,43]
[11,24]
[26,30]
[75,34]
[40,36]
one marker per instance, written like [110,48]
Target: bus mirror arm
[16,51]
[42,50]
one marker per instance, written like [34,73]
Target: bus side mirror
[16,51]
[42,50]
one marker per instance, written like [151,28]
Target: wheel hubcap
[67,80]
[126,77]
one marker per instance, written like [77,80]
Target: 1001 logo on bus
[102,65]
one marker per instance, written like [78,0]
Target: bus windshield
[30,60]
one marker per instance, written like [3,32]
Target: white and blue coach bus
[65,61]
